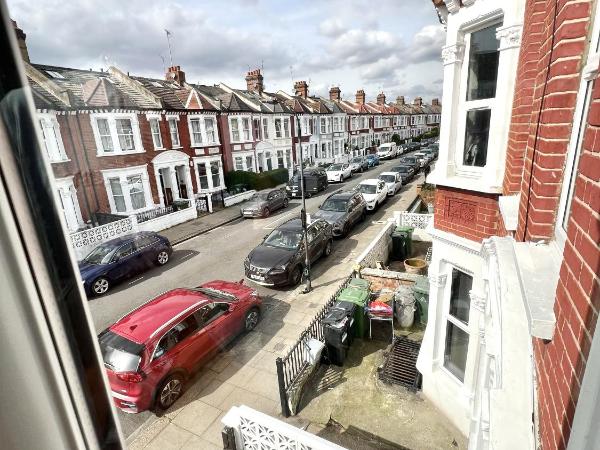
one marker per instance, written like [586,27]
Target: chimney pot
[335,94]
[301,89]
[174,73]
[360,97]
[254,81]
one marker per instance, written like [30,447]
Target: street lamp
[307,285]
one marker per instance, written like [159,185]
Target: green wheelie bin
[402,243]
[360,297]
[421,292]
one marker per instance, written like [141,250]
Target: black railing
[177,205]
[290,367]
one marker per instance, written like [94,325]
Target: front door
[180,176]
[269,161]
[166,190]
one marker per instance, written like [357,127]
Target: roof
[141,323]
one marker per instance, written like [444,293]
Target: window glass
[246,125]
[202,176]
[483,64]
[476,137]
[105,136]
[278,128]
[256,129]
[215,172]
[280,162]
[125,134]
[155,129]
[117,194]
[210,313]
[174,132]
[265,129]
[124,250]
[455,354]
[196,132]
[177,334]
[136,192]
[286,127]
[312,234]
[119,354]
[239,164]
[235,132]
[460,301]
[145,241]
[250,163]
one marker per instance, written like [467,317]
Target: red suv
[151,351]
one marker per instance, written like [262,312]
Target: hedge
[257,181]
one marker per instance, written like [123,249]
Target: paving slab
[172,437]
[216,392]
[196,417]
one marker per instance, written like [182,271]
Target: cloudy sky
[388,45]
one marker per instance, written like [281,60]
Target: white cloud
[427,44]
[331,27]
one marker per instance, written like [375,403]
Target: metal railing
[178,205]
[290,367]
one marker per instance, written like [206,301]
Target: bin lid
[354,295]
[403,229]
[347,307]
[359,282]
[335,317]
[421,285]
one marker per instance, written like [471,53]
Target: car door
[146,248]
[125,262]
[279,199]
[221,321]
[381,190]
[353,211]
[314,247]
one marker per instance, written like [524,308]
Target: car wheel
[162,258]
[346,230]
[363,216]
[169,391]
[251,319]
[296,276]
[286,202]
[266,212]
[327,249]
[100,286]
[341,178]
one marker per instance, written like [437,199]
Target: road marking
[135,280]
[270,226]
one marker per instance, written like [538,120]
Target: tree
[396,139]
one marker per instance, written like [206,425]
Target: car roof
[388,173]
[370,181]
[292,224]
[342,195]
[141,323]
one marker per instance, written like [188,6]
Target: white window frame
[235,129]
[465,106]
[156,134]
[286,127]
[112,126]
[48,122]
[170,121]
[239,159]
[209,137]
[195,133]
[210,132]
[122,174]
[323,125]
[246,129]
[278,133]
[206,160]
[265,128]
[582,106]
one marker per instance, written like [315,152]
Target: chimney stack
[335,94]
[301,89]
[254,81]
[400,100]
[174,73]
[21,36]
[381,99]
[418,101]
[360,97]
[435,102]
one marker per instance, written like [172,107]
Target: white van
[387,151]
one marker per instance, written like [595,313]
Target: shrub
[257,181]
[396,139]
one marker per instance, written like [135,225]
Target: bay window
[246,128]
[136,192]
[196,132]
[239,163]
[481,76]
[235,131]
[457,321]
[155,130]
[128,189]
[174,132]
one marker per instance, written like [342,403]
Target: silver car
[262,204]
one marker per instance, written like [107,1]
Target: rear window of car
[119,353]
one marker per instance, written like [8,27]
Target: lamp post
[307,285]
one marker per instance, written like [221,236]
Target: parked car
[150,352]
[359,164]
[411,161]
[342,210]
[279,259]
[393,180]
[387,151]
[262,204]
[338,172]
[121,258]
[315,181]
[406,172]
[373,160]
[423,158]
[412,146]
[374,192]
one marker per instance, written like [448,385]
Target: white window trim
[244,155]
[584,94]
[266,131]
[158,119]
[176,119]
[240,120]
[49,120]
[122,174]
[205,142]
[66,189]
[112,125]
[206,160]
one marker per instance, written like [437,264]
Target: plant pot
[415,265]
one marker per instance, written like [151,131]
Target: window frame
[123,174]
[156,134]
[50,122]
[278,130]
[112,119]
[233,130]
[174,131]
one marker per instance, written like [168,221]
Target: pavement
[245,373]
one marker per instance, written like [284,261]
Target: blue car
[373,160]
[120,258]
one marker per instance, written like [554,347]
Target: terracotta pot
[414,265]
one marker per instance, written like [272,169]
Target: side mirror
[266,236]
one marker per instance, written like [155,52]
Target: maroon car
[150,352]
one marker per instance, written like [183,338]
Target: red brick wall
[467,214]
[563,27]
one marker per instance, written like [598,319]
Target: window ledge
[58,161]
[509,208]
[535,269]
[134,152]
[462,182]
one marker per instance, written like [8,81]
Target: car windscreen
[356,160]
[387,178]
[401,169]
[101,254]
[335,167]
[410,160]
[289,239]
[334,204]
[119,353]
[367,188]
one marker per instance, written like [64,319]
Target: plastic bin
[337,331]
[359,283]
[402,243]
[421,292]
[359,297]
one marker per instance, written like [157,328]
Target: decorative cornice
[453,6]
[452,54]
[478,301]
[438,281]
[509,36]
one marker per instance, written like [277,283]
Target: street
[219,254]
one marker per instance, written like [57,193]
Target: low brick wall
[387,279]
[379,249]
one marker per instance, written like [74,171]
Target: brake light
[130,377]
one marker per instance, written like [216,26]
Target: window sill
[469,183]
[206,144]
[119,153]
[176,147]
[58,161]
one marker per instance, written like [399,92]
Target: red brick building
[515,285]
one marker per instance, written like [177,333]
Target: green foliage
[431,134]
[396,139]
[257,181]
